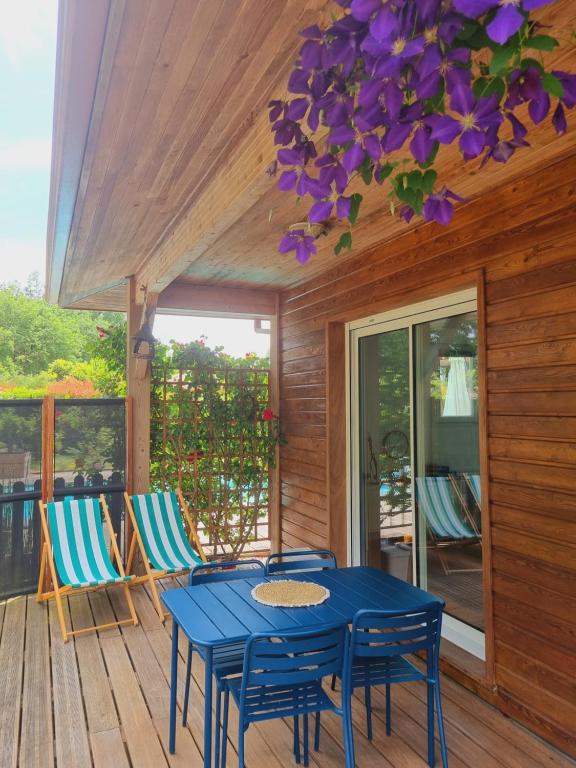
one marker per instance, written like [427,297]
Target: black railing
[88,439]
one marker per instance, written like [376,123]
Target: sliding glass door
[415,455]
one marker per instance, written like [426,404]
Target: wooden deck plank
[108,749]
[98,699]
[37,741]
[70,731]
[11,668]
[143,744]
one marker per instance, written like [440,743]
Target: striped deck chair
[159,534]
[77,558]
[445,524]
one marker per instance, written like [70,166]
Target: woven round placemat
[287,593]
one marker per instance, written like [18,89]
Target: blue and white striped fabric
[78,544]
[435,498]
[163,535]
[474,483]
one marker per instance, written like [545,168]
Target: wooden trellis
[209,437]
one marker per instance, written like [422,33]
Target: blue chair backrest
[293,657]
[377,634]
[300,560]
[226,571]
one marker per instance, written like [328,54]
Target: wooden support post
[274,523]
[48,414]
[138,394]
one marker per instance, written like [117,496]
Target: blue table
[212,615]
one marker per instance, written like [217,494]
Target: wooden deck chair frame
[151,575]
[462,500]
[58,592]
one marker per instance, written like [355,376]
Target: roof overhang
[162,142]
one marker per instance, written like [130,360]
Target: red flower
[194,455]
[268,414]
[102,332]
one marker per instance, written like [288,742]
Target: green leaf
[552,85]
[367,170]
[383,172]
[542,43]
[479,86]
[496,88]
[500,59]
[355,207]
[428,181]
[528,62]
[415,180]
[345,241]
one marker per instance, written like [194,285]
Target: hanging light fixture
[143,342]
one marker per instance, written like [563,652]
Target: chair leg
[225,728]
[430,717]
[440,716]
[317,733]
[217,735]
[306,750]
[348,732]
[156,599]
[297,738]
[60,612]
[241,734]
[131,608]
[42,575]
[388,710]
[368,703]
[187,684]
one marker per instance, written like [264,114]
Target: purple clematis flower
[298,241]
[509,15]
[439,206]
[476,117]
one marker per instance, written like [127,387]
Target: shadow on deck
[103,701]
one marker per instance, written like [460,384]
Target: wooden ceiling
[171,159]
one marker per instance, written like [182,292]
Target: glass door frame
[463,635]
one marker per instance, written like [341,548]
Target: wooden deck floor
[103,701]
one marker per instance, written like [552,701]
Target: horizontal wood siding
[520,245]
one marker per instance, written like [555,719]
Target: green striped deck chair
[446,524]
[159,532]
[77,557]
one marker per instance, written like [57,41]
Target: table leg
[173,688]
[208,708]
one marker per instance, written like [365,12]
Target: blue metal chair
[229,659]
[379,642]
[282,677]
[300,560]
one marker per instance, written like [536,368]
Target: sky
[27,60]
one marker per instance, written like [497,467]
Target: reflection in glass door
[416,466]
[385,470]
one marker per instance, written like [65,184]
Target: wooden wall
[518,245]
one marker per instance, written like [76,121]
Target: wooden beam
[138,390]
[207,300]
[274,522]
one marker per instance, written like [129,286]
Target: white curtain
[458,401]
